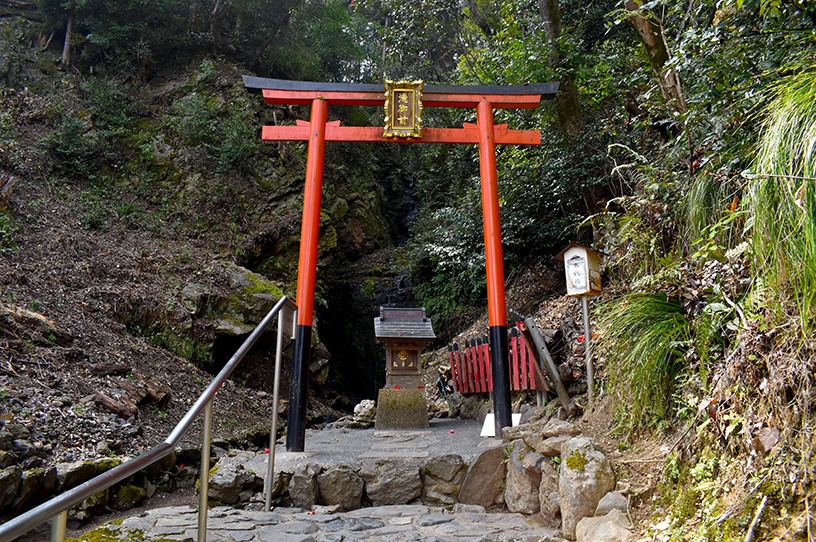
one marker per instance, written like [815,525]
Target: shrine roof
[396,323]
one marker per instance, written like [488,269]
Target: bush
[644,338]
[73,147]
[227,136]
[8,230]
[782,199]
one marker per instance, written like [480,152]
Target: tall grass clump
[781,197]
[644,338]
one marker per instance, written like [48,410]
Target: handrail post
[273,434]
[58,526]
[203,486]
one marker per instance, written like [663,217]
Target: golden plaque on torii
[403,109]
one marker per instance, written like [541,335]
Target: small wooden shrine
[404,334]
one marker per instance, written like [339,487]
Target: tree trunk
[191,15]
[66,48]
[567,104]
[212,20]
[651,35]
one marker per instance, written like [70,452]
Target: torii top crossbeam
[278,91]
[317,131]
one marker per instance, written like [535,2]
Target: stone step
[401,523]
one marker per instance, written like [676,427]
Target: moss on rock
[576,461]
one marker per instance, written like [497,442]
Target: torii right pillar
[496,306]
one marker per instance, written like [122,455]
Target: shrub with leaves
[8,230]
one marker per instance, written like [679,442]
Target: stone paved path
[404,523]
[334,446]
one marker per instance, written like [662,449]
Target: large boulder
[585,477]
[473,407]
[94,505]
[391,482]
[536,432]
[303,488]
[442,479]
[548,447]
[230,478]
[250,298]
[523,478]
[35,485]
[127,496]
[365,411]
[613,527]
[6,438]
[10,480]
[7,459]
[614,500]
[484,479]
[341,486]
[73,474]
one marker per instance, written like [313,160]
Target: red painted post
[452,369]
[514,360]
[484,367]
[459,387]
[477,355]
[497,310]
[474,368]
[522,367]
[466,368]
[486,351]
[471,367]
[307,267]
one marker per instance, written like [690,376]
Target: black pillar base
[298,390]
[500,366]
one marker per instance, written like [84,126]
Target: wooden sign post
[317,132]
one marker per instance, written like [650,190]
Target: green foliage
[709,208]
[11,156]
[719,236]
[782,199]
[644,337]
[8,232]
[225,133]
[112,110]
[73,147]
[414,40]
[448,266]
[94,139]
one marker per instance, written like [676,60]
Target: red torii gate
[320,95]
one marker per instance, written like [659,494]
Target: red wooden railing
[470,365]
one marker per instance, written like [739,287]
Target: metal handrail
[57,508]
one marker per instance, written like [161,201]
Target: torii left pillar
[307,268]
[318,131]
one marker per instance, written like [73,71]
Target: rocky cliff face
[178,159]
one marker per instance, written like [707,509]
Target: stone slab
[394,454]
[399,445]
